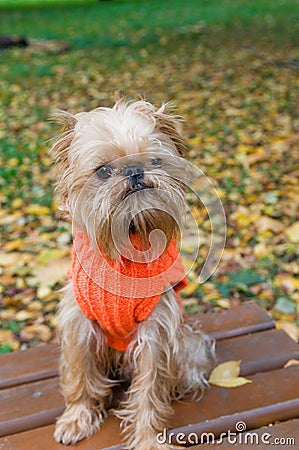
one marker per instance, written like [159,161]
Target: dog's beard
[113,213]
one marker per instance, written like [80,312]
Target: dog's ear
[62,143]
[171,125]
[61,146]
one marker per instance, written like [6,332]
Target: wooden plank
[282,435]
[264,401]
[42,439]
[29,406]
[39,363]
[246,318]
[21,367]
[259,352]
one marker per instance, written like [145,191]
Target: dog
[121,179]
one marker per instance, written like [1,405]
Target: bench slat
[259,352]
[34,364]
[30,405]
[246,318]
[218,411]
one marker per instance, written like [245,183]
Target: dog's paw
[76,423]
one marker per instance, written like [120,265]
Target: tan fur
[167,359]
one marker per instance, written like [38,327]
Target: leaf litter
[241,126]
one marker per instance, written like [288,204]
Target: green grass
[121,22]
[17,4]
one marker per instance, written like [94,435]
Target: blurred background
[231,69]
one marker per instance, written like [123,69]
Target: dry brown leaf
[9,259]
[5,335]
[25,315]
[42,332]
[50,274]
[266,223]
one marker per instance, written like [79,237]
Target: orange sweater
[120,294]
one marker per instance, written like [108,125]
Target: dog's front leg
[83,372]
[147,409]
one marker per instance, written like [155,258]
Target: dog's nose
[134,172]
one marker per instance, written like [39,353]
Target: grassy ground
[230,67]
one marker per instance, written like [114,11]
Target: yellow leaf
[48,255]
[5,335]
[286,281]
[233,382]
[14,245]
[292,232]
[226,370]
[37,210]
[290,328]
[17,203]
[13,162]
[191,288]
[227,375]
[261,250]
[224,303]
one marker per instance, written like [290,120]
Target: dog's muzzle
[135,175]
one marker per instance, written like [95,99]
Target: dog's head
[119,172]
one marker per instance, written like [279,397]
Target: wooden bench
[30,399]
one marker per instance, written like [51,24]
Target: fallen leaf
[42,332]
[9,259]
[292,232]
[37,210]
[287,282]
[5,335]
[291,362]
[266,223]
[230,383]
[227,375]
[224,303]
[50,254]
[25,315]
[191,288]
[290,328]
[48,275]
[14,245]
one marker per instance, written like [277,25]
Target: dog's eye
[104,172]
[156,162]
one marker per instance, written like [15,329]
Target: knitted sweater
[121,294]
